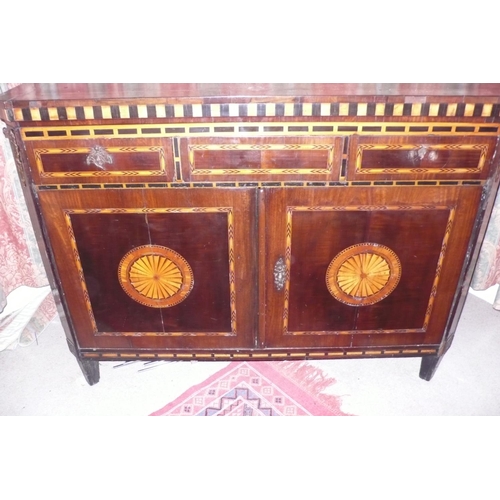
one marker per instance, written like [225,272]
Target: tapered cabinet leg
[90,369]
[429,366]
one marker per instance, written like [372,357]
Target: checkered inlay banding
[263,355]
[253,110]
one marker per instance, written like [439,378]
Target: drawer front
[419,157]
[261,158]
[110,160]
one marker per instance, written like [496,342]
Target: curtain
[26,305]
[487,273]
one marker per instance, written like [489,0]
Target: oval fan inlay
[363,274]
[155,276]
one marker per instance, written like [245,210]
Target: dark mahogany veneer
[257,221]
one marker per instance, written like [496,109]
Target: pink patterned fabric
[16,266]
[20,261]
[487,271]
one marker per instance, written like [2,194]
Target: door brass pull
[279,274]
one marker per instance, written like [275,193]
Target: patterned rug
[259,389]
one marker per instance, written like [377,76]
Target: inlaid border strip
[369,208]
[259,184]
[328,148]
[266,355]
[482,148]
[254,109]
[248,129]
[192,210]
[39,152]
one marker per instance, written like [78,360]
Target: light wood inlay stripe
[234,109]
[434,110]
[451,110]
[416,109]
[35,113]
[252,109]
[307,109]
[469,110]
[487,110]
[178,110]
[88,112]
[344,109]
[106,112]
[215,110]
[53,114]
[18,114]
[125,111]
[70,113]
[142,111]
[256,355]
[160,111]
[269,109]
[379,109]
[398,110]
[197,110]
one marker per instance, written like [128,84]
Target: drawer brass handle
[279,274]
[98,156]
[423,152]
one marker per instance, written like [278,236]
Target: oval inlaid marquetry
[155,276]
[363,274]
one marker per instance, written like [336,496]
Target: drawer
[105,161]
[261,158]
[419,157]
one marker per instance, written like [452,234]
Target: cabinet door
[153,269]
[352,267]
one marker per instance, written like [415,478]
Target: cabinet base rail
[89,361]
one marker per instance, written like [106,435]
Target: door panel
[156,268]
[368,264]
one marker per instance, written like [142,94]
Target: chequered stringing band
[254,355]
[253,109]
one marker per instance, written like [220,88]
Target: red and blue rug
[259,389]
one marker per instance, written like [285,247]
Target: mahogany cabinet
[252,221]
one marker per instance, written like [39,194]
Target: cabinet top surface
[82,92]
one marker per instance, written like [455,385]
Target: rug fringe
[311,380]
